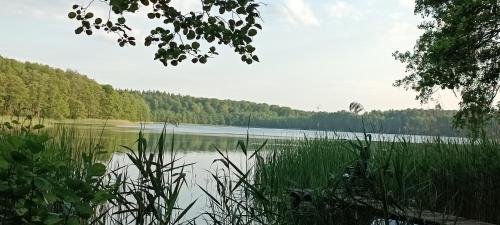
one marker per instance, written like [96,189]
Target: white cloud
[341,9]
[187,5]
[36,9]
[407,3]
[299,12]
[398,31]
[401,34]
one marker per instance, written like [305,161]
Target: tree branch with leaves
[459,51]
[182,36]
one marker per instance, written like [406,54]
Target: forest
[55,93]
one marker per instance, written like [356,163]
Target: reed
[66,178]
[459,177]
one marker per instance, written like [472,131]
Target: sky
[317,55]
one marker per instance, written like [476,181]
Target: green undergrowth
[49,179]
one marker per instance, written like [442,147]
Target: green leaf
[250,48]
[89,15]
[210,38]
[195,45]
[147,42]
[102,196]
[50,197]
[71,15]
[35,146]
[241,10]
[212,20]
[79,30]
[243,147]
[252,32]
[191,35]
[121,20]
[84,210]
[255,58]
[52,219]
[42,184]
[70,196]
[96,170]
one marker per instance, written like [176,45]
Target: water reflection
[188,148]
[114,138]
[192,144]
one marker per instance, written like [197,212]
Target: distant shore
[49,122]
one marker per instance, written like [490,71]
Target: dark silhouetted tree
[180,35]
[460,51]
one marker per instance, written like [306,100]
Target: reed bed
[66,179]
[458,177]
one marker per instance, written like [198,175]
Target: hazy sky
[315,54]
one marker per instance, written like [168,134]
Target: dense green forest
[55,93]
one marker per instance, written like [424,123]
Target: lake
[196,144]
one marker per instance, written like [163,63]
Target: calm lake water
[196,144]
[193,140]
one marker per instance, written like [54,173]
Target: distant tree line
[55,93]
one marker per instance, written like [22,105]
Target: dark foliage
[43,183]
[460,51]
[179,35]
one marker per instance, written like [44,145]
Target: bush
[41,183]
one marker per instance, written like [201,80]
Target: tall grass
[65,179]
[152,195]
[457,177]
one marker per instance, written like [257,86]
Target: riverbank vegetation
[54,179]
[64,178]
[454,177]
[30,88]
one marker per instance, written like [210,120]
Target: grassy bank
[455,178]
